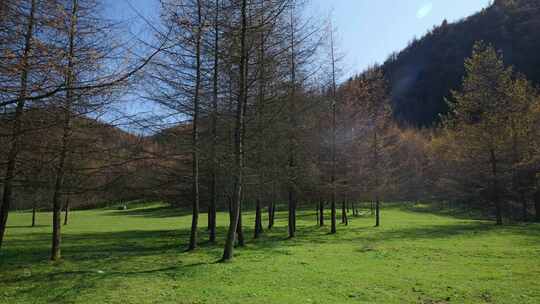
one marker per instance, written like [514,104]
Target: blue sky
[369,30]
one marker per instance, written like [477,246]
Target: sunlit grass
[137,256]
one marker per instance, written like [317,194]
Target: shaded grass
[137,256]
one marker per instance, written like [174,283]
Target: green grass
[136,256]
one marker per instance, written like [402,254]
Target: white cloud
[424,10]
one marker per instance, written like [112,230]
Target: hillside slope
[424,73]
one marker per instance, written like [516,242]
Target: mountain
[423,74]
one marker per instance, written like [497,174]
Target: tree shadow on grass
[161,252]
[26,226]
[34,247]
[70,284]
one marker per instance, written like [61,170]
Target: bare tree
[17,118]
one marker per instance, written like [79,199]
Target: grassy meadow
[137,256]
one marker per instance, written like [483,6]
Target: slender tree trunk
[292,135]
[213,184]
[334,130]
[240,229]
[258,220]
[270,206]
[321,213]
[238,145]
[34,215]
[343,210]
[209,218]
[291,213]
[377,178]
[15,138]
[317,216]
[377,212]
[260,101]
[233,224]
[295,206]
[56,239]
[495,190]
[230,205]
[333,174]
[60,173]
[57,206]
[195,216]
[66,212]
[261,230]
[344,218]
[333,216]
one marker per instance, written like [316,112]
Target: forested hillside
[422,75]
[102,160]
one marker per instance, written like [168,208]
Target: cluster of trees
[251,113]
[59,71]
[250,88]
[489,142]
[256,84]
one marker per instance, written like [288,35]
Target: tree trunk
[271,209]
[317,217]
[195,216]
[15,137]
[334,131]
[212,209]
[321,213]
[56,237]
[60,173]
[238,142]
[240,230]
[66,212]
[34,215]
[346,215]
[291,214]
[333,216]
[234,212]
[261,93]
[209,217]
[258,220]
[343,212]
[333,175]
[292,135]
[377,213]
[295,205]
[495,190]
